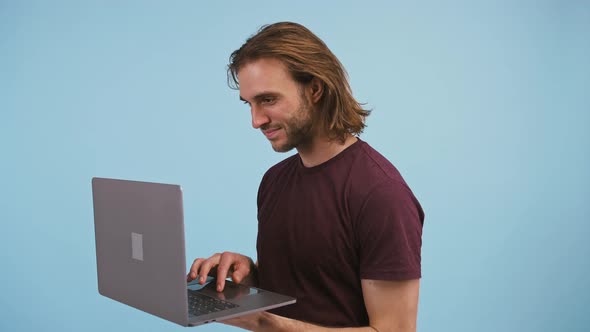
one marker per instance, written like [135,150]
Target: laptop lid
[133,267]
[140,255]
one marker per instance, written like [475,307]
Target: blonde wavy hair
[306,57]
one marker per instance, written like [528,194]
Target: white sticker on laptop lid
[137,246]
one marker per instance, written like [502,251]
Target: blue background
[483,106]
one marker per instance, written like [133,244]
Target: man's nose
[258,117]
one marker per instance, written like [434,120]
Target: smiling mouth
[270,133]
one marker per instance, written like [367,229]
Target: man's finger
[193,272]
[225,264]
[237,276]
[206,267]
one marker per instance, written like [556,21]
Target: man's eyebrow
[261,95]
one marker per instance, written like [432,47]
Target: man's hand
[240,268]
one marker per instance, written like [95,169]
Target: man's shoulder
[375,167]
[379,185]
[373,176]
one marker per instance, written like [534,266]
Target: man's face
[278,104]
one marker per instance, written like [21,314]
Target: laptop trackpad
[231,291]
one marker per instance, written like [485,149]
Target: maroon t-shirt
[323,229]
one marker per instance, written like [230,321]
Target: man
[338,228]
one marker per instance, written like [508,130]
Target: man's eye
[267,100]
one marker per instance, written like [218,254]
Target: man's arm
[392,307]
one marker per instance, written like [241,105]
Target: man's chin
[281,147]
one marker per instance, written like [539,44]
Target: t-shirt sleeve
[389,230]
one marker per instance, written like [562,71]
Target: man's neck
[321,149]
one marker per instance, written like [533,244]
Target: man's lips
[271,132]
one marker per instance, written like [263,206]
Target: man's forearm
[270,322]
[267,322]
[391,306]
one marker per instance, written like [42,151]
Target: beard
[298,129]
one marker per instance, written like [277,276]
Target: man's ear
[316,89]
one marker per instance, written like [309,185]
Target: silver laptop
[140,257]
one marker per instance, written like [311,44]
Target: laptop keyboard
[199,304]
